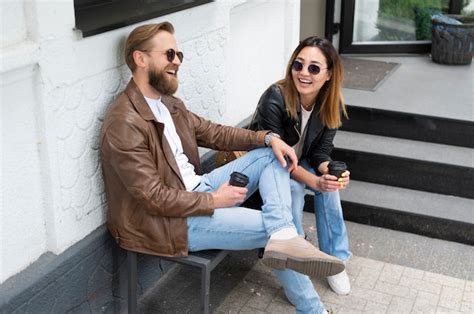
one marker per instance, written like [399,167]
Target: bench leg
[205,287]
[132,282]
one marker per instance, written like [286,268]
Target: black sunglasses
[170,54]
[312,68]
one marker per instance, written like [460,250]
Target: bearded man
[160,203]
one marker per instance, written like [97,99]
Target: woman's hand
[330,183]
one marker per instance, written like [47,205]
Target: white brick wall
[55,87]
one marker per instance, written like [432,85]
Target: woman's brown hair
[330,95]
[139,39]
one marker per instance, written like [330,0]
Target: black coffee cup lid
[239,178]
[337,165]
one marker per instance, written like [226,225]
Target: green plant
[423,22]
[405,8]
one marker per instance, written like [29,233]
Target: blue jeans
[330,226]
[240,228]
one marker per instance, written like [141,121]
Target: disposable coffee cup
[337,168]
[238,179]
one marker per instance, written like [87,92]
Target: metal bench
[205,260]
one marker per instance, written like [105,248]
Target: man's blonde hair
[140,37]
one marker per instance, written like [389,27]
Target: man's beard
[162,82]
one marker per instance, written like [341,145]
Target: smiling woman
[98,16]
[305,108]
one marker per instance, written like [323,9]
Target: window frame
[99,16]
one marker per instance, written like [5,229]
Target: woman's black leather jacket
[272,115]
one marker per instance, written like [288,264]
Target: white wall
[55,87]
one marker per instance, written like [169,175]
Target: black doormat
[366,74]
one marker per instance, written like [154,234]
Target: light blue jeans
[240,228]
[330,226]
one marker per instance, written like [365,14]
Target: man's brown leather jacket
[147,200]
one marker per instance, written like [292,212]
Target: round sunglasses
[170,54]
[312,68]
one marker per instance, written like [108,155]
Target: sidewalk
[391,272]
[377,287]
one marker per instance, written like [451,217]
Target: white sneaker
[340,283]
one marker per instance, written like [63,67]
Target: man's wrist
[268,138]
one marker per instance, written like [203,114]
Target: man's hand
[228,196]
[281,149]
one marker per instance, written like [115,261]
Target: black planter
[452,44]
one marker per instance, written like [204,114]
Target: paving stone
[250,310]
[425,302]
[262,279]
[376,308]
[280,308]
[443,310]
[371,295]
[262,298]
[421,285]
[401,305]
[280,296]
[467,307]
[345,310]
[444,280]
[219,311]
[338,309]
[353,269]
[367,263]
[433,298]
[331,307]
[469,286]
[367,278]
[450,298]
[396,290]
[234,302]
[468,295]
[421,307]
[321,286]
[247,287]
[391,273]
[413,273]
[346,301]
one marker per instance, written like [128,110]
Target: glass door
[387,26]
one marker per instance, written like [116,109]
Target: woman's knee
[328,196]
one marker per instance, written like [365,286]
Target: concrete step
[429,214]
[410,126]
[422,166]
[410,201]
[432,152]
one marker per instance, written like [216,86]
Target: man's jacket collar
[140,104]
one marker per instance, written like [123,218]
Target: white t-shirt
[305,114]
[162,114]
